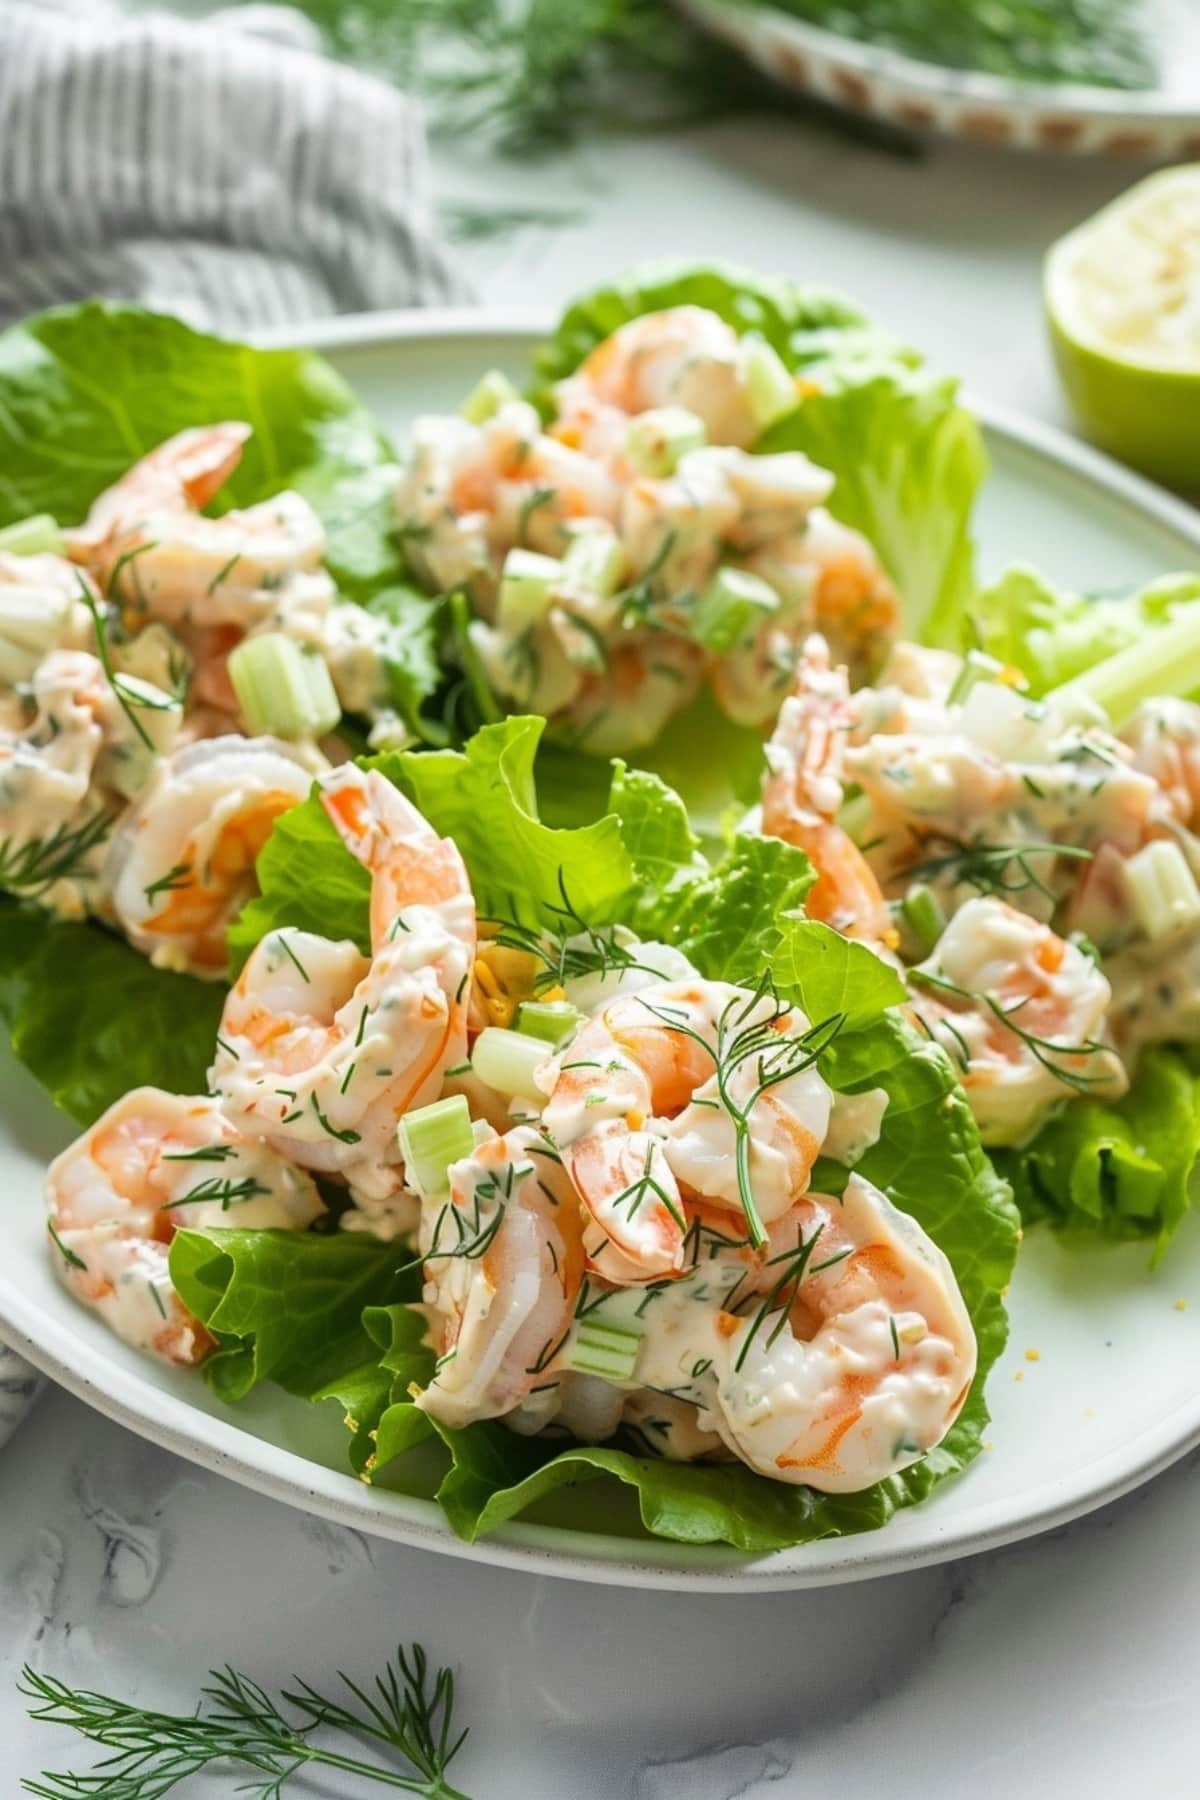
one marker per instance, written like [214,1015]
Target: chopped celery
[526,584]
[433,1137]
[731,607]
[922,913]
[658,438]
[549,1020]
[35,536]
[1162,889]
[283,688]
[609,1351]
[771,390]
[1165,660]
[490,393]
[595,561]
[31,624]
[976,666]
[506,1060]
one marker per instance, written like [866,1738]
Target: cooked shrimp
[503,1267]
[802,794]
[876,1359]
[322,1049]
[146,541]
[182,864]
[151,1165]
[684,356]
[638,1106]
[857,608]
[1019,1011]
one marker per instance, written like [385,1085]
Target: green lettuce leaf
[485,798]
[91,1018]
[907,457]
[729,918]
[1117,1171]
[1052,635]
[287,1306]
[828,975]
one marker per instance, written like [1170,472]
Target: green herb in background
[529,75]
[407,1711]
[1101,43]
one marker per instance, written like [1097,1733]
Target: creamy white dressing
[855,1124]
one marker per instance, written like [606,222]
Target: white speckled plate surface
[1098,1390]
[1153,123]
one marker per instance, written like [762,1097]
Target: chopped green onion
[36,536]
[657,439]
[922,913]
[731,608]
[1162,661]
[506,1060]
[1162,889]
[976,666]
[771,390]
[526,583]
[595,561]
[549,1020]
[283,688]
[490,393]
[433,1137]
[609,1351]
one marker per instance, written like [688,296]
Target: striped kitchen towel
[222,169]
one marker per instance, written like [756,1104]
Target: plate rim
[225,1447]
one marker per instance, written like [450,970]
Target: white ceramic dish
[1098,1390]
[1158,123]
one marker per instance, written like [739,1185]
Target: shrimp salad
[630,1200]
[440,1060]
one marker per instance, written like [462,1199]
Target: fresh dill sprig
[986,867]
[227,1192]
[743,1041]
[408,1711]
[29,868]
[1044,1050]
[562,960]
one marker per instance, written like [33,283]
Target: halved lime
[1122,296]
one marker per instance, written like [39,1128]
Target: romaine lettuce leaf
[1116,1171]
[287,1306]
[484,797]
[1052,635]
[907,457]
[728,918]
[92,1019]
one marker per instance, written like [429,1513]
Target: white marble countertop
[1062,1667]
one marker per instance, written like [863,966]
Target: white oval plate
[1098,1390]
[1154,123]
